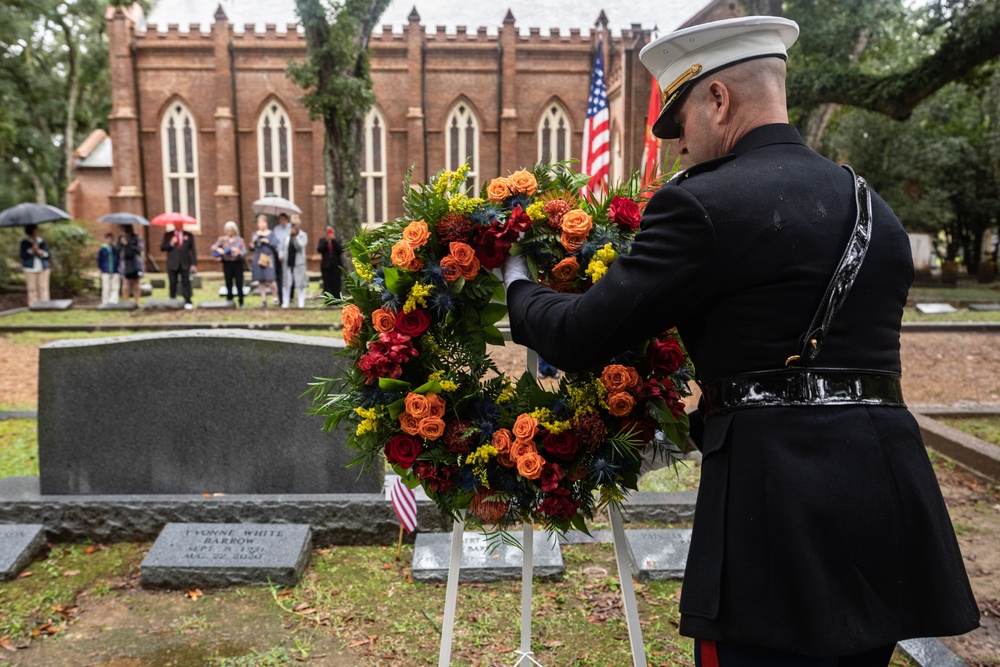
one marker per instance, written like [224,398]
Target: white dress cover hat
[678,59]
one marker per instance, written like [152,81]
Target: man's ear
[719,94]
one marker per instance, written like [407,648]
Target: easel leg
[628,590]
[451,597]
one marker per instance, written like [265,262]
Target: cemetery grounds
[80,604]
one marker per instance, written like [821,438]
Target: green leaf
[396,407]
[493,335]
[390,383]
[492,313]
[430,385]
[398,282]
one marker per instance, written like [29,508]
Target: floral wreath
[422,304]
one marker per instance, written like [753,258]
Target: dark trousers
[185,279]
[331,280]
[721,654]
[233,271]
[279,272]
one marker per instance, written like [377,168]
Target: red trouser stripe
[709,656]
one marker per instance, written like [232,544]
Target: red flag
[596,132]
[651,146]
[404,501]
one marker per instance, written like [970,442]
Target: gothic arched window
[462,142]
[373,203]
[274,148]
[179,139]
[553,135]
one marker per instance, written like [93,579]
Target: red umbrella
[176,219]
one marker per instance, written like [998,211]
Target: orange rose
[572,242]
[619,378]
[430,428]
[417,405]
[525,427]
[498,189]
[577,222]
[449,266]
[502,440]
[566,269]
[384,320]
[472,270]
[416,233]
[352,318]
[408,423]
[620,403]
[530,465]
[521,448]
[436,403]
[506,460]
[403,257]
[523,181]
[463,253]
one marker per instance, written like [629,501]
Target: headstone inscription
[19,543]
[221,554]
[484,561]
[658,554]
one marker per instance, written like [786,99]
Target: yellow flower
[536,211]
[446,385]
[369,420]
[417,297]
[586,398]
[442,182]
[458,177]
[596,269]
[462,204]
[478,460]
[609,493]
[607,254]
[508,393]
[364,270]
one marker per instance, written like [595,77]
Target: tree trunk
[36,182]
[819,118]
[72,92]
[342,167]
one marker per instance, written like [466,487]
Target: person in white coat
[293,249]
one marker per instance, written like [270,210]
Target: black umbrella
[31,214]
[124,219]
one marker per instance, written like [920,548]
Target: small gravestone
[163,304]
[482,563]
[145,289]
[580,537]
[19,543]
[158,283]
[984,307]
[217,305]
[121,305]
[936,308]
[658,554]
[57,304]
[196,282]
[930,652]
[220,554]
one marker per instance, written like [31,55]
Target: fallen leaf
[26,574]
[71,573]
[4,643]
[206,495]
[355,644]
[195,593]
[553,643]
[386,566]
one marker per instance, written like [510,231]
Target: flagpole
[399,546]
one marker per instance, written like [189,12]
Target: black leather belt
[800,386]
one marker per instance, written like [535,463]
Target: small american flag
[404,501]
[596,143]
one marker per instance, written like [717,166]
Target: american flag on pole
[404,501]
[596,133]
[651,146]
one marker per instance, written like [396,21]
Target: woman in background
[231,250]
[263,267]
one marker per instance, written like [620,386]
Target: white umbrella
[274,205]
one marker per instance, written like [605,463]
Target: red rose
[559,504]
[624,212]
[437,479]
[649,390]
[402,450]
[491,253]
[562,446]
[665,356]
[413,323]
[551,476]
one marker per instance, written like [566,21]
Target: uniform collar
[765,135]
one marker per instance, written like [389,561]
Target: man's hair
[753,83]
[283,215]
[109,235]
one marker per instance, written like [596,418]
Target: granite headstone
[121,305]
[482,560]
[930,652]
[984,307]
[163,304]
[658,554]
[190,412]
[55,304]
[19,543]
[221,554]
[218,305]
[936,308]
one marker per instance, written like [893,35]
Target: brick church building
[204,120]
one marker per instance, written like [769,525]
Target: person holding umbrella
[36,263]
[182,259]
[130,251]
[280,237]
[265,256]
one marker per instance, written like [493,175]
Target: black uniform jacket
[819,530]
[182,257]
[329,254]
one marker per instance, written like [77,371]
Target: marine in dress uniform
[820,534]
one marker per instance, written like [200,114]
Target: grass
[965,291]
[961,315]
[984,428]
[18,448]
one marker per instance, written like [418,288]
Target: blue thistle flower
[466,480]
[379,280]
[521,200]
[560,408]
[390,300]
[485,215]
[603,470]
[487,417]
[373,395]
[441,303]
[434,275]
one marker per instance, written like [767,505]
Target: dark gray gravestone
[121,305]
[218,305]
[984,307]
[658,554]
[163,304]
[57,304]
[19,543]
[158,283]
[930,653]
[480,562]
[195,281]
[190,412]
[221,554]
